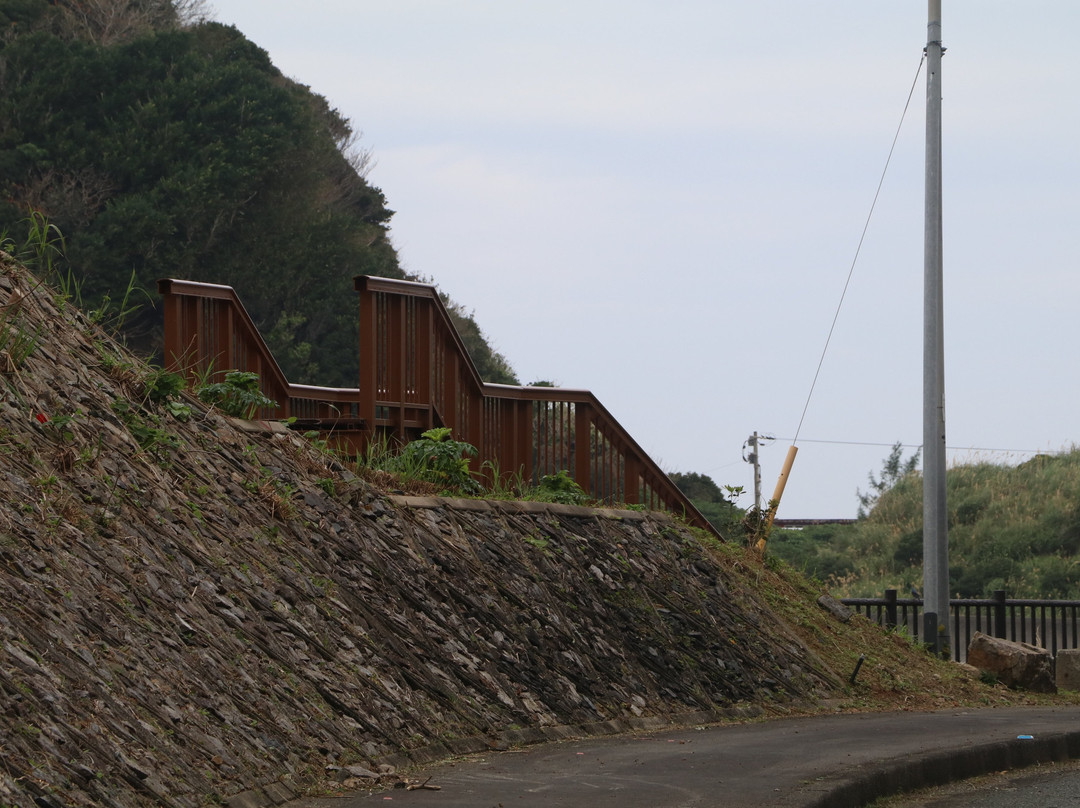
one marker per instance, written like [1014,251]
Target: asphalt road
[1049,786]
[839,761]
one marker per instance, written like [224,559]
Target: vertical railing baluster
[582,444]
[956,627]
[1053,630]
[1043,638]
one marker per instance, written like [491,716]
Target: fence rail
[1050,624]
[415,374]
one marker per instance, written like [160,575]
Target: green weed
[539,543]
[58,427]
[16,342]
[561,488]
[146,429]
[113,316]
[438,459]
[42,248]
[238,395]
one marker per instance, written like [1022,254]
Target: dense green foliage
[1015,528]
[238,394]
[437,458]
[561,487]
[173,150]
[713,503]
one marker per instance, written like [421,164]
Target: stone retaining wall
[193,611]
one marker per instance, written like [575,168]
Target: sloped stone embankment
[192,611]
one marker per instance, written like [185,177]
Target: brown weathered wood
[415,373]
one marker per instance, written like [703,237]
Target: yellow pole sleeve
[774,503]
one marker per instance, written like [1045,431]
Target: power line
[725,466]
[902,445]
[919,446]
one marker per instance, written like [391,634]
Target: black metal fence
[1050,624]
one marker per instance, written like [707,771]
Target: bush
[238,395]
[435,458]
[561,488]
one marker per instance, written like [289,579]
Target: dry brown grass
[896,673]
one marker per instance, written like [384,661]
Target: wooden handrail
[208,332]
[415,374]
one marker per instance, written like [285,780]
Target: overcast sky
[660,202]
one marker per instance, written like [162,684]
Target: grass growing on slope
[896,674]
[1015,528]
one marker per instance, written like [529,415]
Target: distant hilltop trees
[164,145]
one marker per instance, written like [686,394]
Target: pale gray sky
[660,202]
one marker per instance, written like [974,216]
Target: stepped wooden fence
[415,374]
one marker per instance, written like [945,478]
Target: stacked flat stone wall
[198,610]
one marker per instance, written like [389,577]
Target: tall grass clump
[42,249]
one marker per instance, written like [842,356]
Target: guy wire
[858,249]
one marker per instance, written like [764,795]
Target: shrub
[434,457]
[238,395]
[560,487]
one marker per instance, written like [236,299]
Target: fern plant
[438,459]
[561,488]
[237,395]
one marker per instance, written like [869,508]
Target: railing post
[631,479]
[174,334]
[890,609]
[369,363]
[999,614]
[583,447]
[222,330]
[425,350]
[397,353]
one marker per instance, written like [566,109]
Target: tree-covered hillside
[161,145]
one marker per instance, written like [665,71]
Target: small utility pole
[755,458]
[935,526]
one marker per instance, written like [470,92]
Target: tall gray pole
[935,526]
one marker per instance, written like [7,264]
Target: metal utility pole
[935,529]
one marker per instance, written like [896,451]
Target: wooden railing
[415,374]
[208,332]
